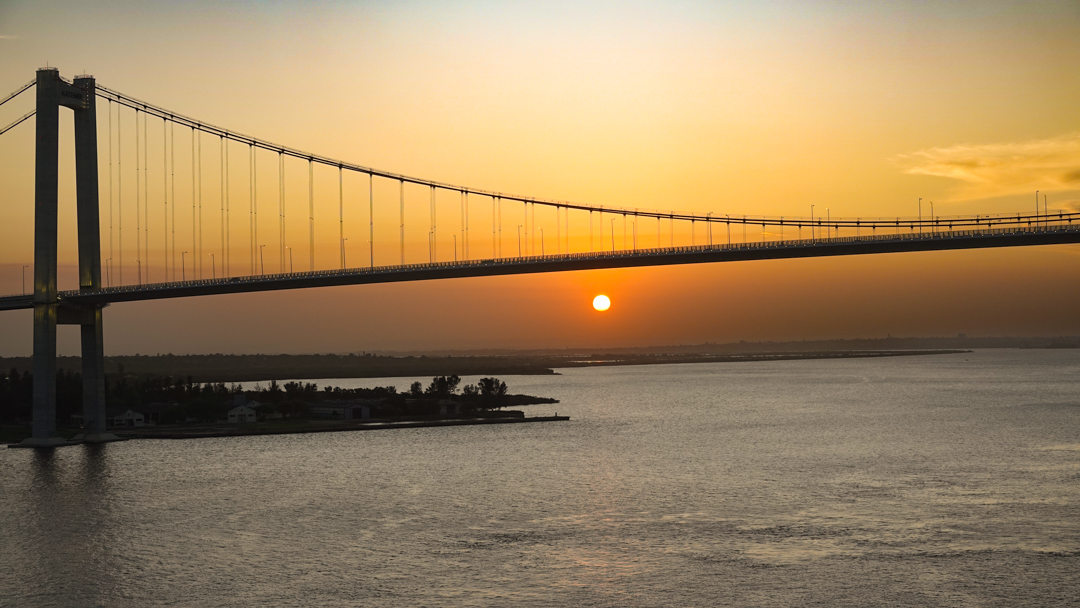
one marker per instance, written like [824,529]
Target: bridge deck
[768,250]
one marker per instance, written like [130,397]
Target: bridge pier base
[93,377]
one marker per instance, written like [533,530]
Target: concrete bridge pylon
[80,96]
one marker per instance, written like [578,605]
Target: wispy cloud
[6,37]
[1001,169]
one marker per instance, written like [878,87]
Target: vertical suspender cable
[146,198]
[198,256]
[466,225]
[371,219]
[254,209]
[138,201]
[493,243]
[500,227]
[281,208]
[401,187]
[228,226]
[172,191]
[311,214]
[110,194]
[120,195]
[558,231]
[341,216]
[165,195]
[194,224]
[221,159]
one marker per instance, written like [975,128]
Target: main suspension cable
[284,150]
[18,122]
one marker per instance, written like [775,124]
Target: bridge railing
[642,252]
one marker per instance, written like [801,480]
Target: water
[918,481]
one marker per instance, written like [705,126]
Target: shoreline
[241,430]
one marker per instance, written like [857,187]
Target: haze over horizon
[695,107]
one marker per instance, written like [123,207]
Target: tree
[492,387]
[416,389]
[443,386]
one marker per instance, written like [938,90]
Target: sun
[601,303]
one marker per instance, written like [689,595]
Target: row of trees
[486,389]
[210,401]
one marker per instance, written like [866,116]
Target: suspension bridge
[585,236]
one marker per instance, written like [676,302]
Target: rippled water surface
[927,481]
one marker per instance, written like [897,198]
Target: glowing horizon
[689,107]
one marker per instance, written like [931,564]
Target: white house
[128,417]
[242,413]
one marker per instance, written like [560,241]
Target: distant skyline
[764,109]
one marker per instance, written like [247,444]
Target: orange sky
[684,106]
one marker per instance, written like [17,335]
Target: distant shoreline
[264,368]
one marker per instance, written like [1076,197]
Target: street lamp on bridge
[25,266]
[262,261]
[183,266]
[213,266]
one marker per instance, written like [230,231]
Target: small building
[241,413]
[355,409]
[449,408]
[123,416]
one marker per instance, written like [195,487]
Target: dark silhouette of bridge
[84,306]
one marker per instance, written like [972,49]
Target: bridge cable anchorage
[123,99]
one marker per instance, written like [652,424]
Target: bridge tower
[80,96]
